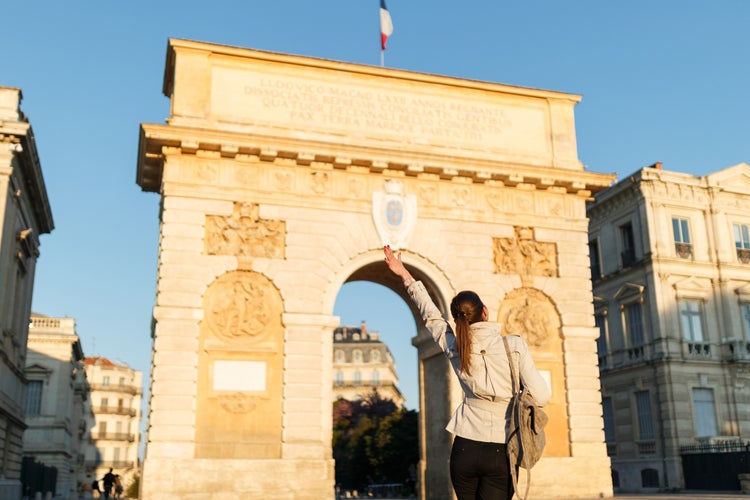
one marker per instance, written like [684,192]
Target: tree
[374,441]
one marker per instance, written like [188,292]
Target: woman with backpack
[479,465]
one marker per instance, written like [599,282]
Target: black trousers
[480,471]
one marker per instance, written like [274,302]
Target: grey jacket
[482,415]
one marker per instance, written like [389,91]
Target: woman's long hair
[466,308]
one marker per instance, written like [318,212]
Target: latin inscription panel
[366,108]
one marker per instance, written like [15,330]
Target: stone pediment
[734,179]
[692,287]
[38,370]
[743,292]
[629,292]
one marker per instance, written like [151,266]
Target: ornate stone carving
[461,196]
[237,403]
[524,255]
[529,313]
[245,234]
[320,182]
[394,214]
[239,306]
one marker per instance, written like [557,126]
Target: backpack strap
[515,416]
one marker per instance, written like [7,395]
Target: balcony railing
[698,349]
[112,436]
[128,389]
[737,350]
[683,250]
[115,410]
[647,448]
[115,464]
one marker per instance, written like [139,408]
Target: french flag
[386,25]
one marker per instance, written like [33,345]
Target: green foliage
[374,441]
[132,489]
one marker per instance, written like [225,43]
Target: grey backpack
[526,438]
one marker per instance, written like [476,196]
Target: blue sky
[661,81]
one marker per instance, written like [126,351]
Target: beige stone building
[25,215]
[280,178]
[56,392]
[115,410]
[363,363]
[670,260]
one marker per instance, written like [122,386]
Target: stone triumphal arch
[280,178]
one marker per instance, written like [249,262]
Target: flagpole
[382,58]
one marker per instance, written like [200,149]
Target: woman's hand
[395,265]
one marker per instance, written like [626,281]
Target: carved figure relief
[529,313]
[245,234]
[240,305]
[524,255]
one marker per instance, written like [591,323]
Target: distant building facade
[56,393]
[116,413]
[361,363]
[670,262]
[25,214]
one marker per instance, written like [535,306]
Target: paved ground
[691,495]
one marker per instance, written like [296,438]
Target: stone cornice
[19,138]
[158,141]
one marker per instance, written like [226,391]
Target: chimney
[364,329]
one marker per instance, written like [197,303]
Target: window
[681,231]
[634,324]
[609,420]
[691,320]
[742,242]
[105,381]
[645,420]
[375,377]
[628,245]
[339,356]
[375,356]
[34,397]
[704,412]
[741,236]
[357,377]
[122,381]
[339,378]
[358,356]
[105,402]
[745,310]
[649,478]
[594,260]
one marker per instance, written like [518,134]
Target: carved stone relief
[524,255]
[529,313]
[245,234]
[239,307]
[238,403]
[321,182]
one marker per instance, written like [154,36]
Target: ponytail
[466,308]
